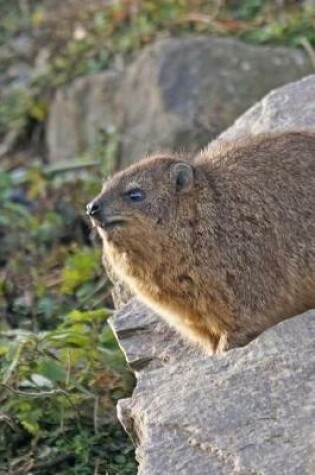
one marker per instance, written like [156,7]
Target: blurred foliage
[61,371]
[73,38]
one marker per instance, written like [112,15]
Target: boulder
[81,114]
[177,94]
[290,107]
[146,340]
[249,411]
[180,93]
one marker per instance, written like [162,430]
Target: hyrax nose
[93,209]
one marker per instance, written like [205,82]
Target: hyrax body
[222,247]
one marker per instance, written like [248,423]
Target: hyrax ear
[182,177]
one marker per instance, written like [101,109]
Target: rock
[178,94]
[146,340]
[81,113]
[287,108]
[249,411]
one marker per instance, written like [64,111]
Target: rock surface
[178,94]
[148,342]
[81,113]
[248,412]
[290,107]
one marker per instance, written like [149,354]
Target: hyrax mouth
[98,217]
[111,223]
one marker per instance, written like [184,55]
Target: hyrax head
[140,202]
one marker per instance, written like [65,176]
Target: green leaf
[31,426]
[108,339]
[4,346]
[52,370]
[46,304]
[17,209]
[5,180]
[80,268]
[71,338]
[4,220]
[77,316]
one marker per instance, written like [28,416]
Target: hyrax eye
[135,195]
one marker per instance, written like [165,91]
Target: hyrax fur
[222,247]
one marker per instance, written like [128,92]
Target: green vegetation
[61,371]
[67,42]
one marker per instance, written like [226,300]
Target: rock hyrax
[223,246]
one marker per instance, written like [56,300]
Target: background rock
[287,108]
[249,411]
[178,94]
[81,113]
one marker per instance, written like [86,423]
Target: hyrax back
[222,247]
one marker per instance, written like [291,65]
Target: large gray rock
[147,341]
[81,113]
[290,107]
[178,94]
[250,411]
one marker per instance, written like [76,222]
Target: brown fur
[230,256]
